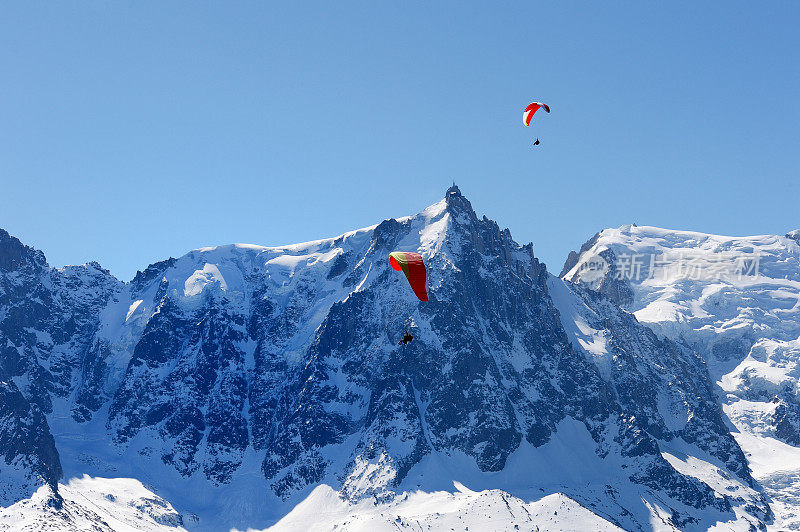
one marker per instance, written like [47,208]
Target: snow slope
[463,509]
[101,504]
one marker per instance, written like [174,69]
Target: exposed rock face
[48,319]
[28,456]
[267,371]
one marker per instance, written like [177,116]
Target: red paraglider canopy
[527,115]
[412,265]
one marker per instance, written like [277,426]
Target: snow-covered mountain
[253,386]
[736,302]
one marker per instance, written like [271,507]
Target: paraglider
[412,265]
[527,115]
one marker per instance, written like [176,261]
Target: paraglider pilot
[406,338]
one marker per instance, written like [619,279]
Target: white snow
[201,278]
[463,509]
[133,308]
[575,317]
[106,504]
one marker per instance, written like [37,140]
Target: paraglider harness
[407,337]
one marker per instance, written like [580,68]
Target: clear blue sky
[132,131]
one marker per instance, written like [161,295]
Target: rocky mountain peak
[14,255]
[457,203]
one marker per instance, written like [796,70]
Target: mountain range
[650,386]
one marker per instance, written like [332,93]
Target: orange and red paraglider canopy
[411,264]
[527,115]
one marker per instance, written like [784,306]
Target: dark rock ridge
[28,456]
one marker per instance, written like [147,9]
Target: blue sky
[134,131]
